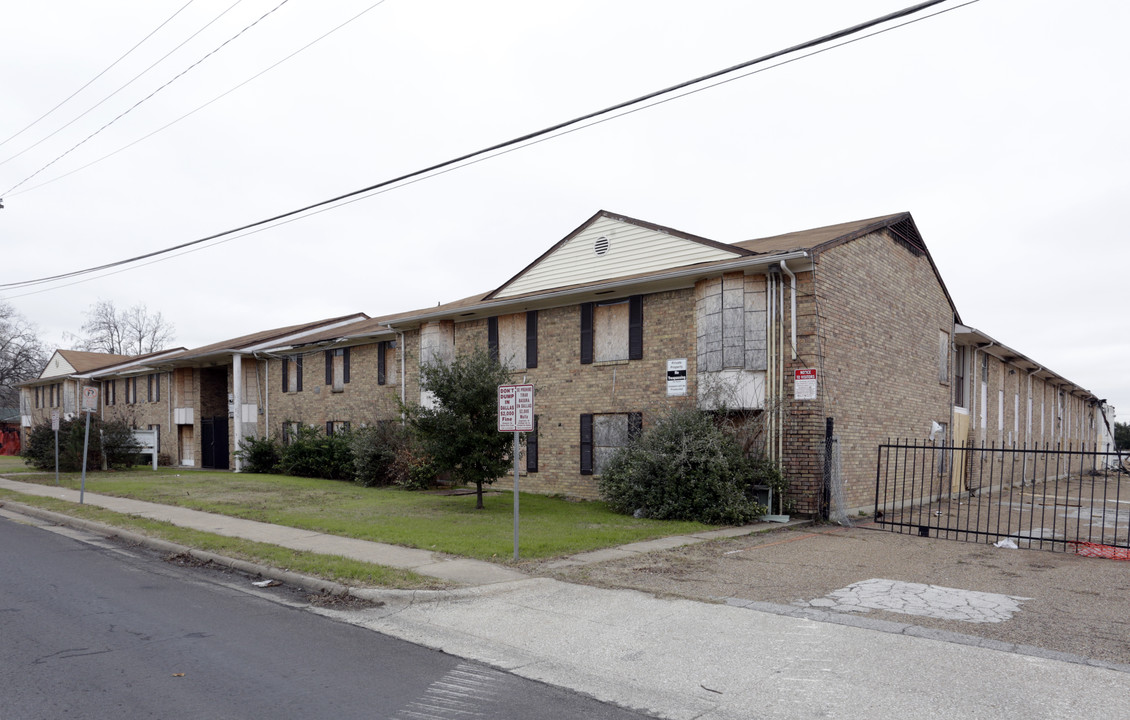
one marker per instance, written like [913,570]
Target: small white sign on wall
[676,377]
[804,384]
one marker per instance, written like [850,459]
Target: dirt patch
[341,601]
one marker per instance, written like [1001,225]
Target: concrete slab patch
[919,599]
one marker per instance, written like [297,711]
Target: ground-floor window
[602,435]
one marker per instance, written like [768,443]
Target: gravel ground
[1071,604]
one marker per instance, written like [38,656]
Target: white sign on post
[90,398]
[515,408]
[55,420]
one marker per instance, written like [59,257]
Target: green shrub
[119,448]
[258,455]
[39,451]
[685,467]
[374,453]
[312,453]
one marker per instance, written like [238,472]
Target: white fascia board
[658,283]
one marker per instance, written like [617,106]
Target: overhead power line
[98,104]
[34,122]
[506,146]
[198,108]
[133,107]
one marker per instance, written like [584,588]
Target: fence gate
[1076,500]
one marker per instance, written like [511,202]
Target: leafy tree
[1122,436]
[460,432]
[22,355]
[123,332]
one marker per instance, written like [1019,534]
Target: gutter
[792,295]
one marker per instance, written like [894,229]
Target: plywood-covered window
[182,382]
[251,384]
[131,390]
[960,359]
[387,362]
[110,392]
[337,368]
[292,373]
[153,387]
[612,331]
[602,435]
[513,339]
[943,356]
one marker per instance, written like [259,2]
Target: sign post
[515,414]
[89,405]
[55,427]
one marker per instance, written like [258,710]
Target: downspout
[792,295]
[770,385]
[403,352]
[266,397]
[237,405]
[781,374]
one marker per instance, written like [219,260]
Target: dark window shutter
[532,340]
[382,347]
[345,365]
[635,425]
[345,426]
[329,367]
[149,388]
[285,374]
[286,433]
[586,444]
[329,427]
[492,338]
[298,372]
[635,327]
[157,388]
[532,448]
[586,334]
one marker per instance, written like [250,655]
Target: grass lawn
[328,567]
[549,526]
[10,464]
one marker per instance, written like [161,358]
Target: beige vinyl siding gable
[57,366]
[631,250]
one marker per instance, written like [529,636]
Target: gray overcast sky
[1002,126]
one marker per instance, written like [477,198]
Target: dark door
[214,442]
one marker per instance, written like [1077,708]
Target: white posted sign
[90,398]
[804,384]
[515,408]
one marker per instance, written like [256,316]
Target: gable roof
[608,246]
[82,361]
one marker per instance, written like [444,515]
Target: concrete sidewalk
[684,659]
[449,568]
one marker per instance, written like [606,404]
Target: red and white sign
[804,384]
[515,408]
[90,398]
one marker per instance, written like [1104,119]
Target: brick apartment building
[847,327]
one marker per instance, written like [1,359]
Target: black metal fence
[1039,497]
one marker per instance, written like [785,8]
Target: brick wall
[877,314]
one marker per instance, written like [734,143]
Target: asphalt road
[90,629]
[1065,603]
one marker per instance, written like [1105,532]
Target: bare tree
[123,332]
[22,354]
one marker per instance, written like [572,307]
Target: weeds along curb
[306,582]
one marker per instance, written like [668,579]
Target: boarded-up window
[610,332]
[250,384]
[337,368]
[153,387]
[959,373]
[386,362]
[603,435]
[292,373]
[182,380]
[512,340]
[943,356]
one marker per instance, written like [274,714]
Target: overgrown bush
[119,448]
[413,468]
[312,453]
[374,453]
[685,467]
[259,455]
[112,439]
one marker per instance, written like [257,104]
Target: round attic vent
[600,247]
